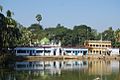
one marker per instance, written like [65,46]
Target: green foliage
[117,38]
[11,22]
[109,35]
[9,34]
[82,33]
[35,27]
[116,44]
[38,18]
[1,8]
[14,34]
[37,33]
[57,33]
[25,36]
[117,34]
[45,41]
[9,13]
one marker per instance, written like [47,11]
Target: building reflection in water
[52,67]
[94,67]
[101,67]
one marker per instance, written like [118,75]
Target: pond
[62,70]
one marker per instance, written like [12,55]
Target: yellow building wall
[97,46]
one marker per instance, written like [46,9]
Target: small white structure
[113,51]
[75,51]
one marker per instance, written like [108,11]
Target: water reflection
[104,67]
[63,70]
[52,67]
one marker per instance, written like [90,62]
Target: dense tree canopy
[14,34]
[9,35]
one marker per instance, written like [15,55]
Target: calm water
[62,70]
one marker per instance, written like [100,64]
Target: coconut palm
[38,18]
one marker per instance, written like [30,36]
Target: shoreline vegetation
[7,56]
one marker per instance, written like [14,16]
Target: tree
[37,32]
[26,36]
[59,32]
[117,35]
[9,13]
[83,33]
[35,27]
[1,8]
[9,34]
[9,20]
[109,35]
[117,38]
[38,18]
[2,31]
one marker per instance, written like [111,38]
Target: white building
[49,49]
[46,48]
[113,51]
[75,51]
[38,51]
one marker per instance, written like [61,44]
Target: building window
[39,51]
[91,51]
[27,51]
[21,51]
[96,45]
[109,46]
[68,51]
[90,45]
[102,45]
[96,51]
[33,51]
[47,51]
[100,52]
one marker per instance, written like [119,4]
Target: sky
[98,14]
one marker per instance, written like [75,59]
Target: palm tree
[38,18]
[1,8]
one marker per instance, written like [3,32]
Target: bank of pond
[51,52]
